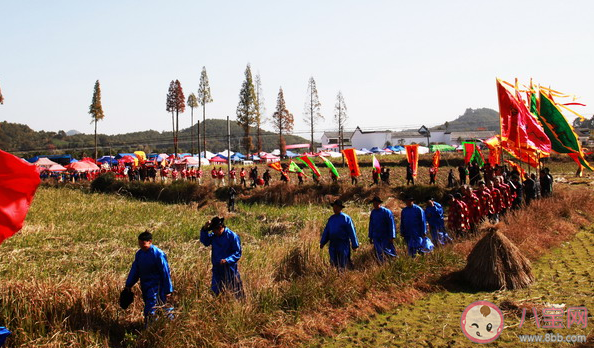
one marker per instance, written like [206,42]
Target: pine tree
[204,97]
[192,103]
[282,120]
[340,115]
[312,109]
[246,109]
[96,110]
[260,111]
[175,104]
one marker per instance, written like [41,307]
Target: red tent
[218,159]
[82,166]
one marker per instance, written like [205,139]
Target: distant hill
[73,132]
[472,120]
[27,142]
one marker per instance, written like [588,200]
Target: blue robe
[434,215]
[413,228]
[340,232]
[152,268]
[226,246]
[382,232]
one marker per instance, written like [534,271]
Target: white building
[367,140]
[360,139]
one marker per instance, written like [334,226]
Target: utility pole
[199,155]
[228,146]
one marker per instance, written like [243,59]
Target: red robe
[474,207]
[458,217]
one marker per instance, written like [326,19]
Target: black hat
[217,222]
[457,195]
[337,202]
[126,298]
[409,198]
[145,236]
[376,199]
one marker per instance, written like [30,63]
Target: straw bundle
[496,263]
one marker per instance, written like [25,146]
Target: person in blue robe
[226,252]
[340,233]
[382,230]
[150,266]
[435,219]
[413,228]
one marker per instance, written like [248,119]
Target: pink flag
[376,164]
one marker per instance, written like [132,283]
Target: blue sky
[398,64]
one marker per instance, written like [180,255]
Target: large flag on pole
[436,158]
[494,150]
[276,166]
[521,134]
[307,161]
[563,138]
[18,183]
[331,166]
[412,155]
[477,156]
[468,151]
[351,159]
[376,164]
[294,168]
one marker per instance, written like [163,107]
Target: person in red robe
[484,196]
[458,222]
[473,204]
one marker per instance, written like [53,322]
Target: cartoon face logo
[482,322]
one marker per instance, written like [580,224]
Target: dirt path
[564,276]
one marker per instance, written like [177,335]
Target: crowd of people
[488,198]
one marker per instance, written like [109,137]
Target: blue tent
[152,155]
[396,148]
[238,154]
[376,149]
[366,151]
[33,159]
[108,159]
[235,158]
[183,155]
[291,154]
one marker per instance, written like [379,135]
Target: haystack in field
[496,263]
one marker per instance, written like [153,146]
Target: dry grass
[62,274]
[496,263]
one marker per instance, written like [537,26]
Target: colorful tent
[82,166]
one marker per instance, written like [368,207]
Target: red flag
[468,151]
[436,158]
[351,159]
[310,164]
[18,182]
[275,166]
[521,134]
[412,154]
[494,146]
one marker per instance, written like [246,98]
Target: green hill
[472,120]
[24,141]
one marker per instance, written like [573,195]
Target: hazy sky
[397,63]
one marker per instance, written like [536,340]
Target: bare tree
[260,112]
[246,109]
[340,115]
[96,110]
[192,103]
[204,97]
[175,104]
[282,120]
[312,109]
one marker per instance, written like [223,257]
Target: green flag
[294,168]
[477,156]
[331,166]
[563,138]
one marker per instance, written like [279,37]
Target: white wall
[369,140]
